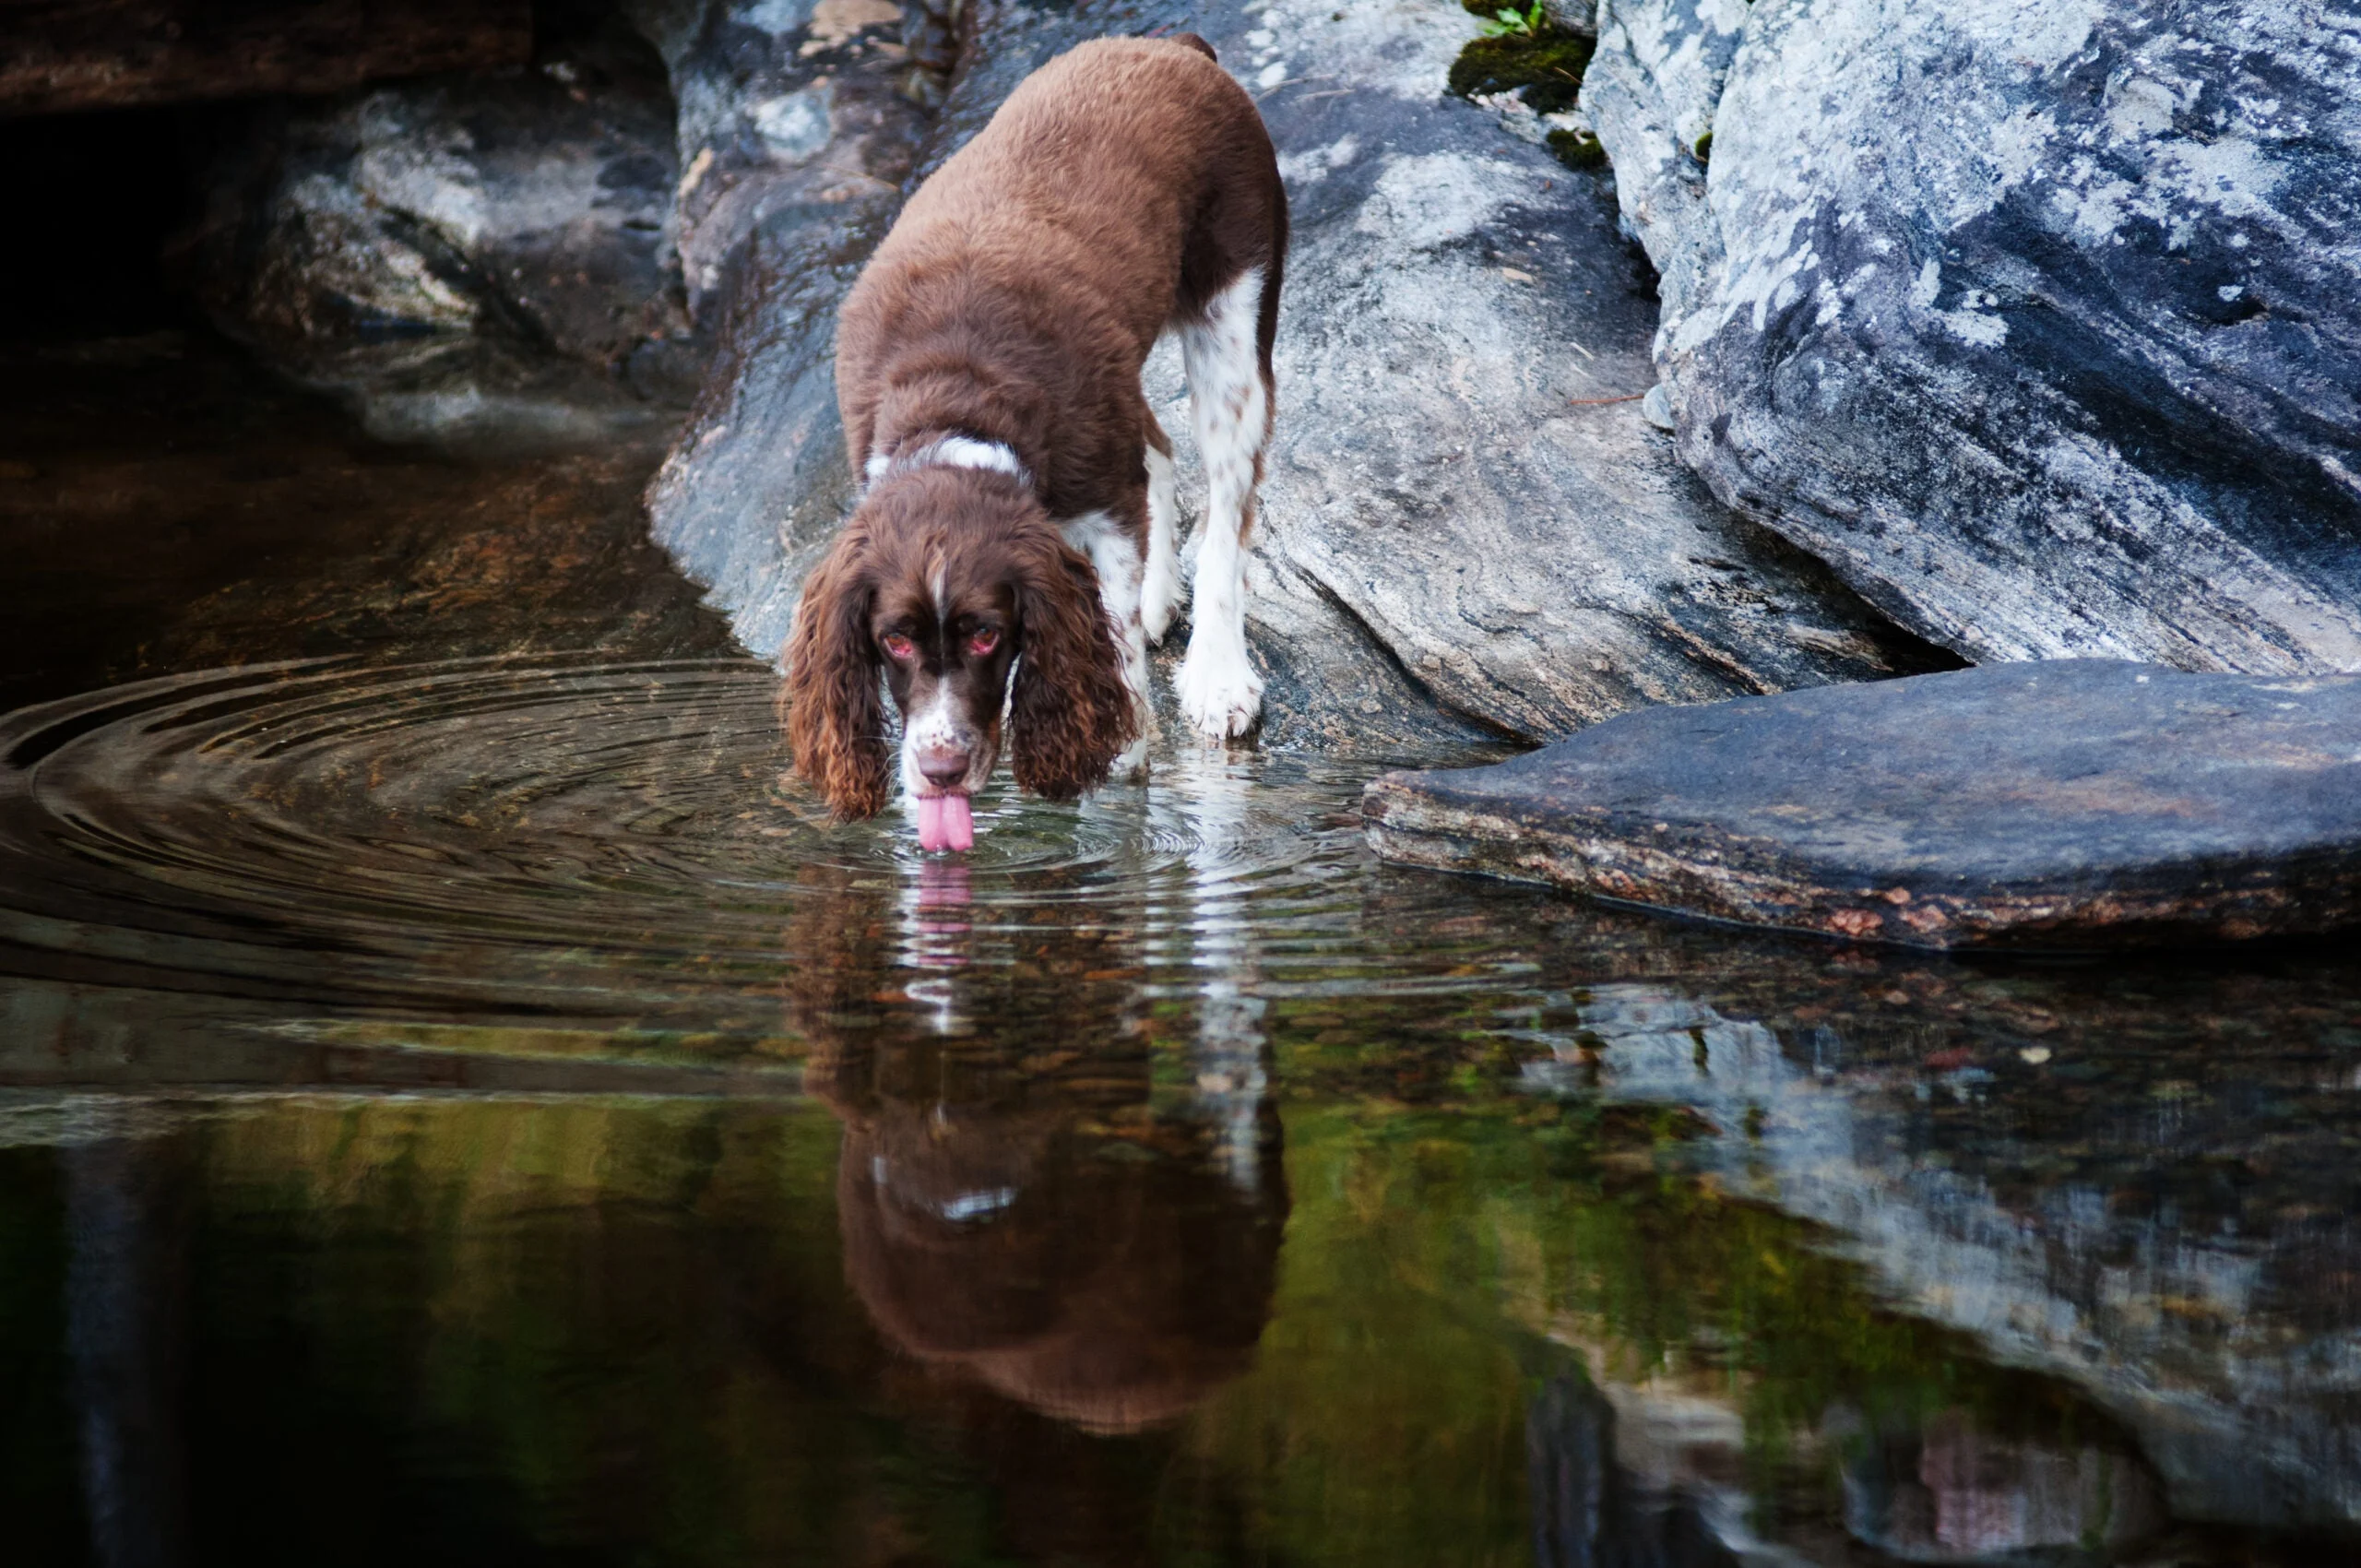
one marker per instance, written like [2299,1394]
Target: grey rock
[787,110]
[2080,802]
[465,257]
[1649,95]
[2043,328]
[1452,540]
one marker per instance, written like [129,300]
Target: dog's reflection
[1027,1203]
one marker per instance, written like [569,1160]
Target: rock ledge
[2071,803]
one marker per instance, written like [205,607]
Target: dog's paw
[1221,696]
[1130,766]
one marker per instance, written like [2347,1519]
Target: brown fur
[836,719]
[1118,189]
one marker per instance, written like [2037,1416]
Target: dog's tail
[1194,41]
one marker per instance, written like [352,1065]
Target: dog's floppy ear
[1071,711]
[835,718]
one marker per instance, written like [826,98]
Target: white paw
[1130,766]
[1220,694]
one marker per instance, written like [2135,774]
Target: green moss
[1578,149]
[1545,64]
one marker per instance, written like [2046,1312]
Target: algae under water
[455,1104]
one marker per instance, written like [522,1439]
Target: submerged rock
[1464,528]
[2042,327]
[2076,803]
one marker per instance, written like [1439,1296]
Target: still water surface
[456,1105]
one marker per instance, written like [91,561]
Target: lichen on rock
[2042,327]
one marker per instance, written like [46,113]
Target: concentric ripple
[553,834]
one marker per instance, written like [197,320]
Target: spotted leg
[1160,588]
[1114,554]
[1220,693]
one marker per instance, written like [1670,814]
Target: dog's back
[1117,191]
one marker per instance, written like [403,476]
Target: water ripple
[546,831]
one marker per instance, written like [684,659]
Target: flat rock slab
[2073,803]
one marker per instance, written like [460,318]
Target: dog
[1013,547]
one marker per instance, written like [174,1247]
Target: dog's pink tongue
[945,823]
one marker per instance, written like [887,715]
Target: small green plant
[1516,24]
[1544,66]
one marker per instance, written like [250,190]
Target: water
[457,1104]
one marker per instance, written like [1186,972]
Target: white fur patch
[1116,558]
[1220,691]
[935,726]
[1160,587]
[950,452]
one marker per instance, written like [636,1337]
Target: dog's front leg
[1219,690]
[1115,555]
[1160,588]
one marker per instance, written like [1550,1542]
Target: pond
[456,1105]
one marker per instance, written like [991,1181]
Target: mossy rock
[1546,66]
[1578,149]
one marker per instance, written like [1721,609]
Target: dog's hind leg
[1160,588]
[1231,398]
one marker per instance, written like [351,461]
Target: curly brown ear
[1071,711]
[836,717]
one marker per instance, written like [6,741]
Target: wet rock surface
[2074,802]
[2042,333]
[1458,536]
[466,257]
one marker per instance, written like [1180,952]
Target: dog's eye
[899,646]
[982,640]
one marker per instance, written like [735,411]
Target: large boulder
[466,256]
[2042,326]
[1462,531]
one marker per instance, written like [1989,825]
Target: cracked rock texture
[2040,324]
[1452,541]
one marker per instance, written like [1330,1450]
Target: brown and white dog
[1019,513]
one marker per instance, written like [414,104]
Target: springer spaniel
[1019,508]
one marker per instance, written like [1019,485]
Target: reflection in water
[1033,1213]
[405,1149]
[1949,1492]
[125,1202]
[1052,1241]
[1591,1512]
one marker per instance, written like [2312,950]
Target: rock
[796,118]
[1463,531]
[2043,330]
[110,54]
[2083,803]
[466,257]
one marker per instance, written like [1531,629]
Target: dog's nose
[944,770]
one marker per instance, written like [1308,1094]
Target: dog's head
[944,581]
